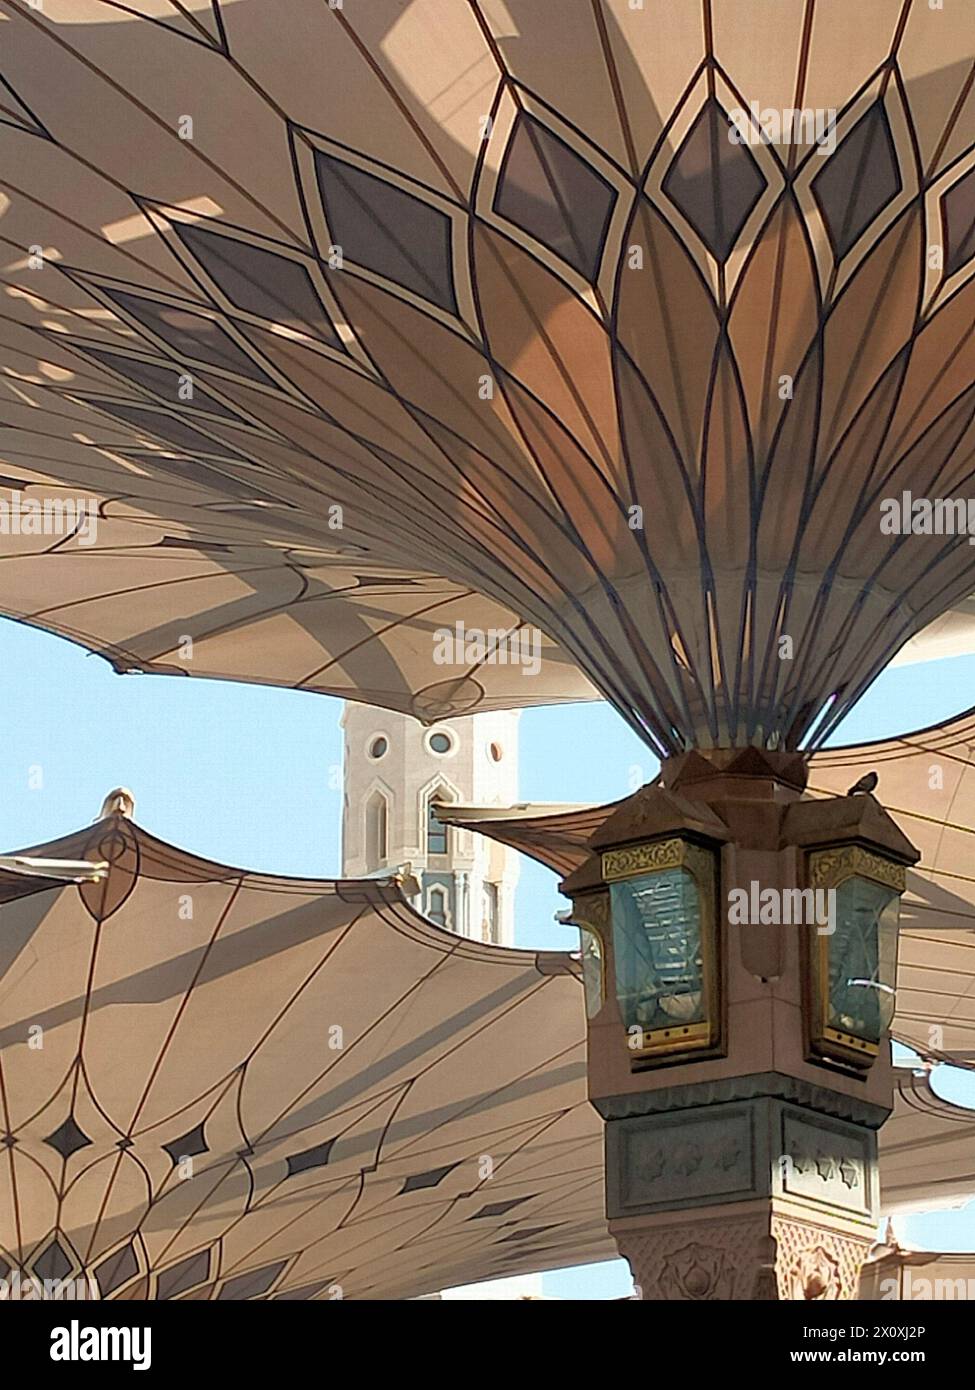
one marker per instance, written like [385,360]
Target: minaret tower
[395,770]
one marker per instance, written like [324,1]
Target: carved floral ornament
[814,1275]
[638,859]
[829,867]
[699,1272]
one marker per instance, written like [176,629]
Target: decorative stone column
[742,1069]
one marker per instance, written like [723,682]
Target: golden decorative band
[638,859]
[829,867]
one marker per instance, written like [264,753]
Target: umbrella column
[739,946]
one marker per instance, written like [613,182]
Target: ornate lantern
[665,949]
[853,963]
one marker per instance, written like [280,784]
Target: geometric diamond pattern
[714,181]
[498,1208]
[858,180]
[183,1275]
[549,191]
[310,1158]
[189,1145]
[428,1179]
[116,1269]
[255,1282]
[275,287]
[958,214]
[67,1138]
[53,1263]
[387,230]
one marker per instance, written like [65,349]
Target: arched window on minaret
[438,834]
[437,906]
[377,831]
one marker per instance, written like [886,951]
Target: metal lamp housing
[853,966]
[666,963]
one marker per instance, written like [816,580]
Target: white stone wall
[480,767]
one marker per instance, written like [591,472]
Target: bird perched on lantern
[867,783]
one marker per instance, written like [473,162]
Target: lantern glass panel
[863,958]
[657,941]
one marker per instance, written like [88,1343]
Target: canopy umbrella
[211,1091]
[564,324]
[222,1084]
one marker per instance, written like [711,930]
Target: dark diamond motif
[67,1138]
[250,1285]
[714,181]
[310,1158]
[858,181]
[205,548]
[175,432]
[274,287]
[190,334]
[185,1275]
[428,1179]
[190,1144]
[374,581]
[53,1263]
[499,1208]
[387,230]
[551,193]
[164,381]
[124,1144]
[958,212]
[203,474]
[116,1270]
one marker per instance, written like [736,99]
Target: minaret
[394,770]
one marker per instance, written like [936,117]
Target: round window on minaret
[495,752]
[440,743]
[378,747]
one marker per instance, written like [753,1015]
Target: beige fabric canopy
[194,1125]
[927,1150]
[531,304]
[204,591]
[918,1275]
[556,836]
[219,1084]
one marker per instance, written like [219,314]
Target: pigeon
[866,784]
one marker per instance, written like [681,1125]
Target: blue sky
[251,777]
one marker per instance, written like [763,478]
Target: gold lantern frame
[661,1045]
[828,868]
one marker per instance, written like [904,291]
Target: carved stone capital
[815,1264]
[743,1257]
